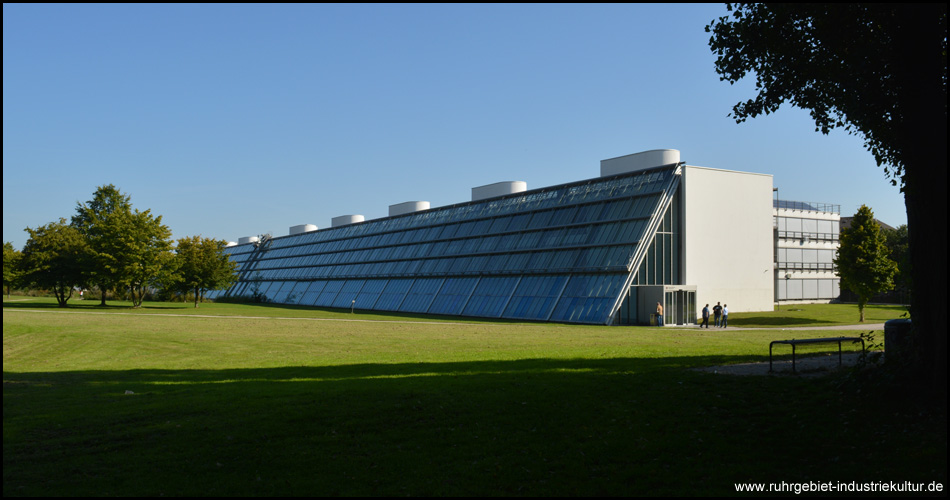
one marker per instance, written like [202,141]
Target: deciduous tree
[141,256]
[899,251]
[10,259]
[100,220]
[202,265]
[862,261]
[55,258]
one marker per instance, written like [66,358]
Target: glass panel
[393,295]
[313,291]
[452,241]
[534,298]
[421,294]
[588,298]
[490,296]
[347,296]
[452,296]
[369,294]
[325,299]
[499,225]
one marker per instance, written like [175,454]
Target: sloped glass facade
[563,253]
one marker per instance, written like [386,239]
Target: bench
[830,340]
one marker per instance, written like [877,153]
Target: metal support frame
[830,340]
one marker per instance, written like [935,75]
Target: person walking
[717,312]
[705,317]
[725,314]
[659,314]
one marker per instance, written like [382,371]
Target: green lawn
[249,400]
[785,316]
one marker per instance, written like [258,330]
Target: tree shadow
[610,426]
[90,305]
[786,321]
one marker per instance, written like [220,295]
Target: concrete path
[866,326]
[805,366]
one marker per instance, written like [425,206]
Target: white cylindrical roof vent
[639,161]
[248,239]
[303,228]
[498,189]
[346,219]
[408,207]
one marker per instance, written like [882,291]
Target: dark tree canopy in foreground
[841,62]
[878,71]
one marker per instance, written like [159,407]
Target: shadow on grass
[615,426]
[90,305]
[378,370]
[777,321]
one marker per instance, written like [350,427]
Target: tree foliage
[898,247]
[132,249]
[141,256]
[111,245]
[56,258]
[11,259]
[106,200]
[876,70]
[862,261]
[102,220]
[841,62]
[202,265]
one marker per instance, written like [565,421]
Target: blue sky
[237,120]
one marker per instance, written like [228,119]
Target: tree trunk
[924,155]
[60,293]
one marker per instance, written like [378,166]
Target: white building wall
[727,238]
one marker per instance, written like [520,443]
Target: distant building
[846,223]
[603,250]
[806,243]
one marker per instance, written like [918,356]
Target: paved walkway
[865,326]
[805,366]
[808,366]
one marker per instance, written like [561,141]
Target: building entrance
[679,305]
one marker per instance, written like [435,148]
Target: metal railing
[807,206]
[797,235]
[814,266]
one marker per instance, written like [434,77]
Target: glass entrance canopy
[564,253]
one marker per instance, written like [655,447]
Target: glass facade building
[566,253]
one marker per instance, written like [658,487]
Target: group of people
[720,313]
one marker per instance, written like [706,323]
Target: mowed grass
[289,401]
[784,316]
